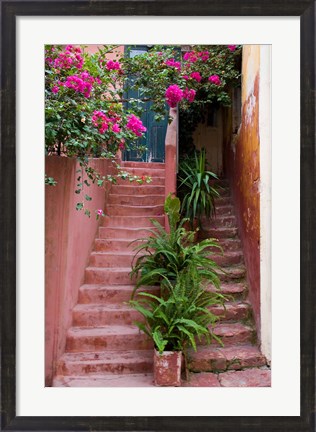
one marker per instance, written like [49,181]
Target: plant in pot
[163,255]
[176,321]
[195,189]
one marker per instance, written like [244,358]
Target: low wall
[69,236]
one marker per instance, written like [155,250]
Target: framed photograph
[281,40]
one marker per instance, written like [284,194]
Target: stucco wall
[243,170]
[69,236]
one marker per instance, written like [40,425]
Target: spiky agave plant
[195,188]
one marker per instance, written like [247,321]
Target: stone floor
[257,377]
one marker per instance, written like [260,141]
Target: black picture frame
[9,11]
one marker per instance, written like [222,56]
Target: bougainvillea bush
[86,114]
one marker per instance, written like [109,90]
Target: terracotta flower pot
[167,368]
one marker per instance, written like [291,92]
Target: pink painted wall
[171,144]
[69,236]
[242,163]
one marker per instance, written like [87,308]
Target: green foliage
[182,315]
[165,254]
[50,181]
[195,189]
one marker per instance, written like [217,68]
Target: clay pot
[167,368]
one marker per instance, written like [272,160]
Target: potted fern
[176,321]
[163,255]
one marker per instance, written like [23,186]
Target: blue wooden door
[154,137]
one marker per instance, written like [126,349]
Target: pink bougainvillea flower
[204,55]
[186,77]
[82,83]
[189,95]
[171,62]
[55,89]
[100,212]
[69,57]
[190,56]
[173,95]
[135,125]
[116,128]
[215,79]
[122,145]
[197,76]
[113,65]
[231,47]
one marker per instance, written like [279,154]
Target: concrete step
[105,380]
[116,244]
[109,294]
[258,377]
[233,290]
[155,165]
[218,232]
[111,337]
[136,200]
[228,258]
[232,311]
[106,362]
[216,359]
[108,275]
[224,210]
[111,259]
[231,273]
[124,232]
[222,201]
[131,221]
[233,334]
[129,210]
[136,189]
[228,245]
[98,315]
[219,222]
[155,181]
[144,171]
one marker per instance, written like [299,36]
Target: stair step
[126,210]
[114,362]
[133,189]
[232,311]
[112,337]
[144,171]
[222,201]
[116,244]
[131,221]
[136,200]
[233,290]
[233,334]
[219,222]
[229,273]
[131,164]
[215,359]
[218,232]
[155,181]
[105,380]
[122,232]
[98,315]
[109,294]
[108,275]
[224,210]
[228,258]
[111,259]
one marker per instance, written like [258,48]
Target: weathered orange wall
[69,236]
[243,170]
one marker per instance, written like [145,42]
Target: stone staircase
[104,348]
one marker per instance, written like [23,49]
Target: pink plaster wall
[69,236]
[171,143]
